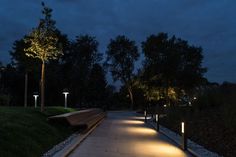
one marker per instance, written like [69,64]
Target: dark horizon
[210,25]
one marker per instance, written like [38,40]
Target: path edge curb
[188,149]
[81,138]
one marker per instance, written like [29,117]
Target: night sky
[207,23]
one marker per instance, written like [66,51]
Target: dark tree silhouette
[172,62]
[78,62]
[121,56]
[23,63]
[97,86]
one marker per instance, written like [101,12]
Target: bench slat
[84,118]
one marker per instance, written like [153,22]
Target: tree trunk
[131,98]
[42,86]
[26,89]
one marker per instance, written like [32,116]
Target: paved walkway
[122,134]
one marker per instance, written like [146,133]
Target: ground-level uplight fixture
[157,122]
[65,92]
[184,136]
[35,95]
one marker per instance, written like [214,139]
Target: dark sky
[207,23]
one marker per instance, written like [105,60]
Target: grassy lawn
[25,132]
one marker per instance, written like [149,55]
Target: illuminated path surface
[122,134]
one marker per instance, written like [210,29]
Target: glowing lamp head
[35,95]
[194,98]
[182,127]
[65,91]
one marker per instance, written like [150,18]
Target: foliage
[97,87]
[121,56]
[19,57]
[10,79]
[77,65]
[44,45]
[172,64]
[43,40]
[211,121]
[4,100]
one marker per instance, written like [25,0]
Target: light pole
[145,115]
[157,122]
[65,92]
[184,136]
[36,95]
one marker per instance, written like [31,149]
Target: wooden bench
[84,119]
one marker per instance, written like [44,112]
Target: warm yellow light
[139,140]
[132,122]
[141,131]
[161,149]
[182,127]
[165,149]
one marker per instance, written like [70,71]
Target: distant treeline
[171,72]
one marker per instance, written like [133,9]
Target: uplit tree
[121,56]
[44,44]
[171,63]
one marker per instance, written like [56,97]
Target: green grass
[25,132]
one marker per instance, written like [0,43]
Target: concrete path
[122,134]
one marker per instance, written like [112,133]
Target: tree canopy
[43,44]
[172,63]
[43,39]
[121,56]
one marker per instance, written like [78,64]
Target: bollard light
[184,136]
[35,95]
[65,92]
[182,127]
[157,122]
[145,115]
